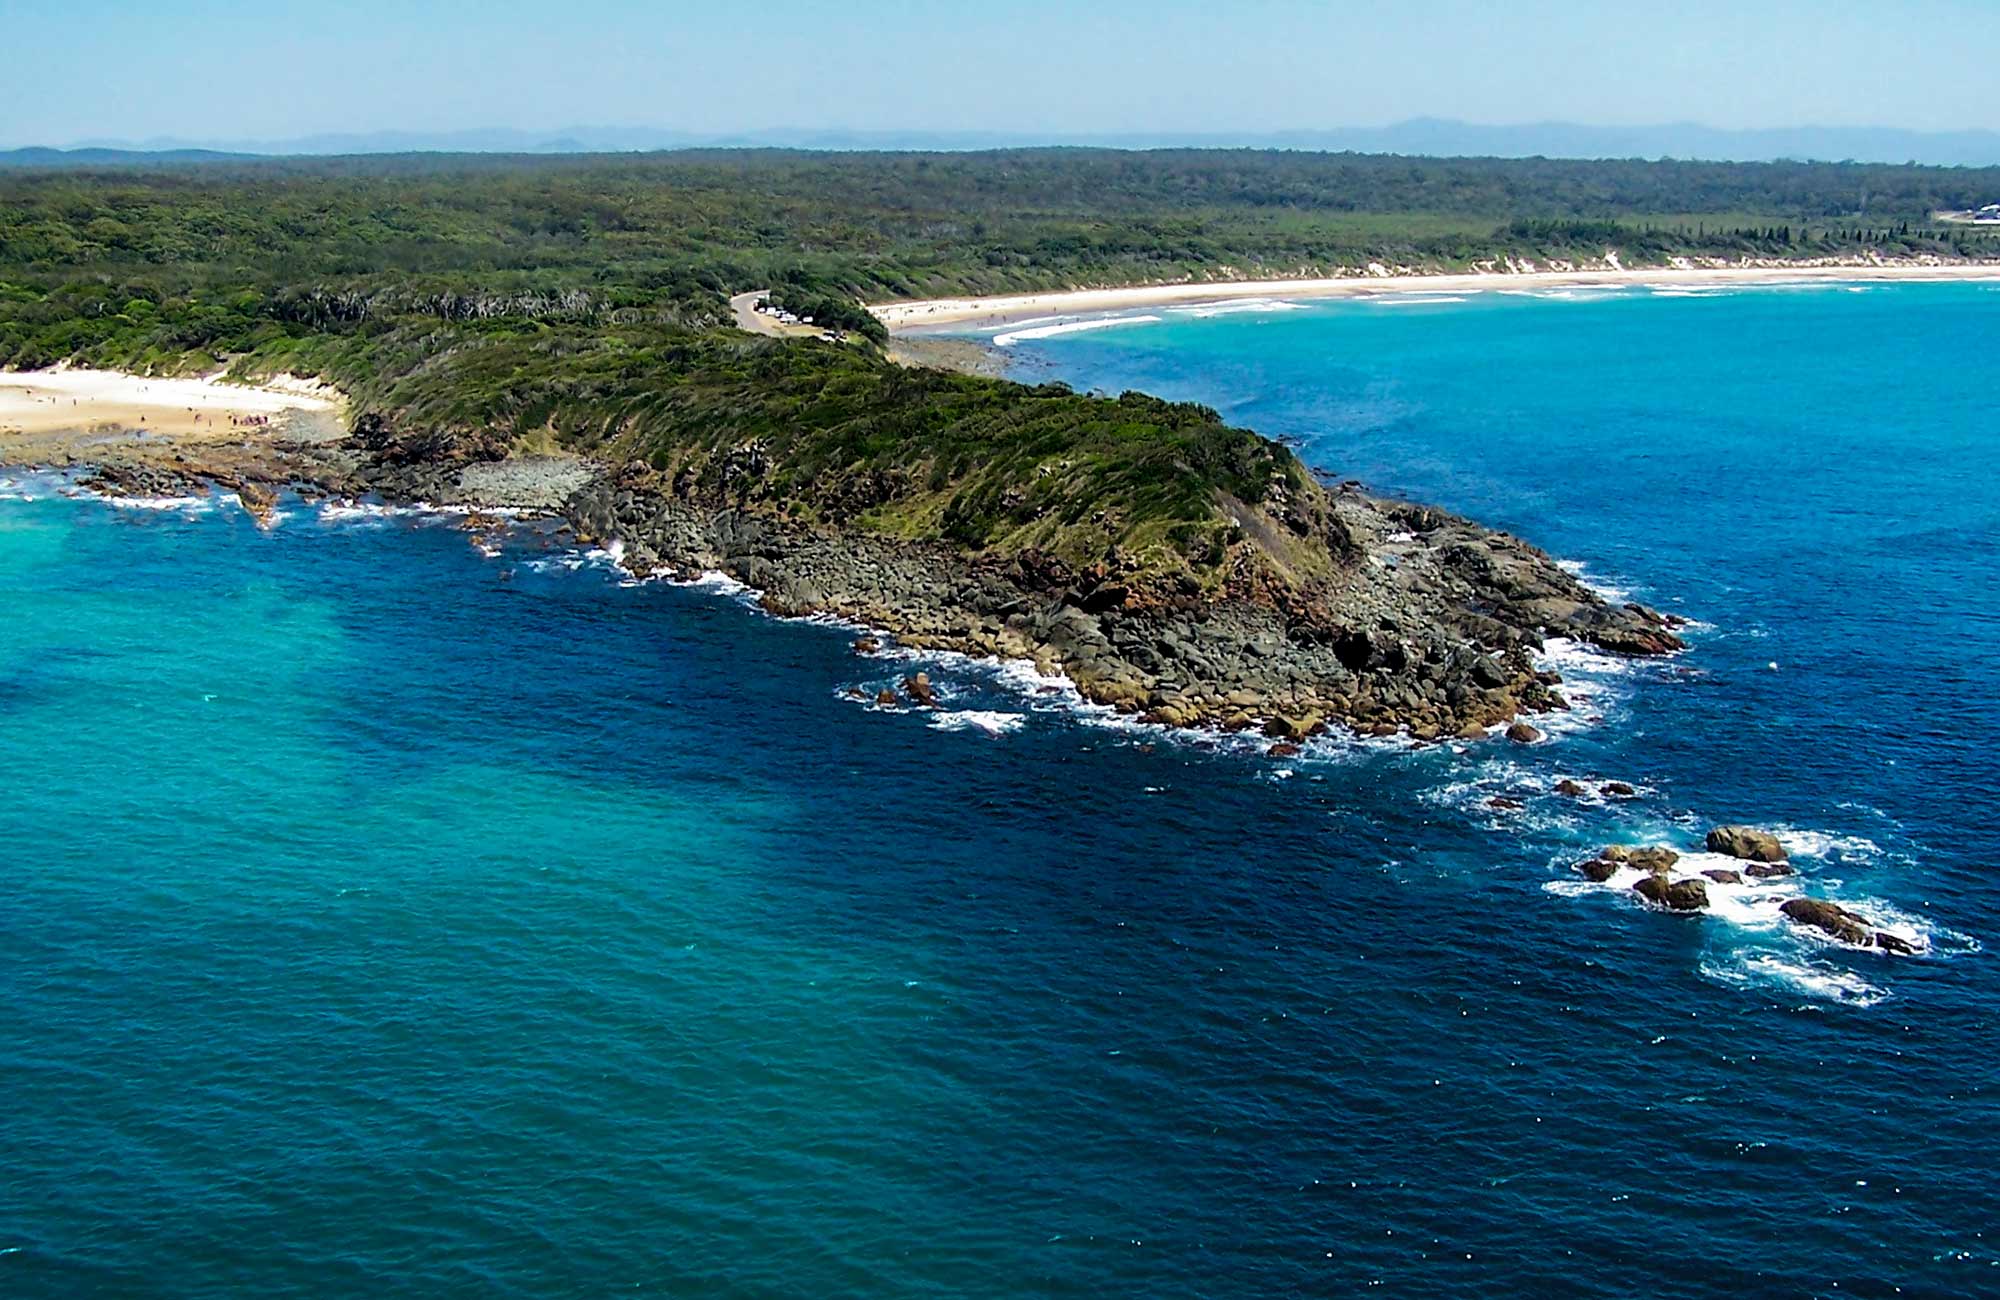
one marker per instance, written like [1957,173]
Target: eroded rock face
[1746,842]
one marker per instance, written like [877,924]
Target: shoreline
[915,317]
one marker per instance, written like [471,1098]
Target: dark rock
[1283,749]
[1723,876]
[1656,858]
[1830,918]
[1523,734]
[918,687]
[885,698]
[1674,895]
[1746,842]
[1769,870]
[1504,803]
[1569,787]
[866,645]
[259,500]
[1597,869]
[1896,944]
[1617,790]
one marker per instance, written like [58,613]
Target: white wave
[1826,983]
[1611,591]
[1394,301]
[1021,324]
[1011,337]
[1236,308]
[1819,844]
[990,721]
[188,505]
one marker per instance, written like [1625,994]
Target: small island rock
[1746,842]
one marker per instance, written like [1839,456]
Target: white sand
[41,400]
[1003,310]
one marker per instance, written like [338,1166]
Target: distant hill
[1433,137]
[110,157]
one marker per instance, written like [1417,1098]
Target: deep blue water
[382,915]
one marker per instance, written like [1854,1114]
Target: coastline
[1006,309]
[1289,638]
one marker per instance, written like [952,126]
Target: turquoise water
[382,914]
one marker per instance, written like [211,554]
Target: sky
[77,70]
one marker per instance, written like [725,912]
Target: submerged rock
[1570,788]
[1745,842]
[1617,790]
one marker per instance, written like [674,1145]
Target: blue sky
[80,69]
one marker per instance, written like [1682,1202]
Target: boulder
[1655,858]
[1831,918]
[866,645]
[918,687]
[1674,895]
[1597,869]
[1504,803]
[1283,749]
[1768,870]
[1746,842]
[885,698]
[1523,734]
[258,499]
[1616,790]
[1723,876]
[1569,787]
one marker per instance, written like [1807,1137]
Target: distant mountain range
[1435,137]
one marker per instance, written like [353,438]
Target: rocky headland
[1330,607]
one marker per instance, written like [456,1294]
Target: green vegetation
[480,301]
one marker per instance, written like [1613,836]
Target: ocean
[391,911]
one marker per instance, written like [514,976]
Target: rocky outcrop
[1745,842]
[259,500]
[1846,926]
[1655,858]
[1674,895]
[1323,606]
[1426,623]
[1522,733]
[1769,870]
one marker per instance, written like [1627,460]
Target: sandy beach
[1003,310]
[73,400]
[202,425]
